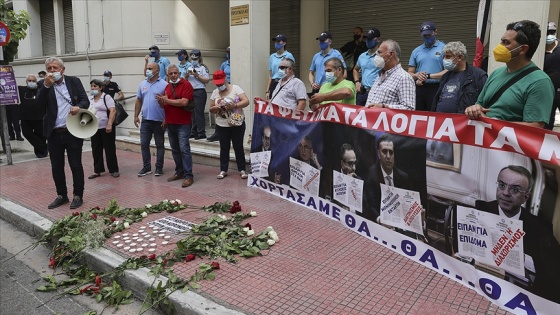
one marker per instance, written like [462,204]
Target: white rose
[271,242]
[253,213]
[148,206]
[273,236]
[223,217]
[165,201]
[126,225]
[144,214]
[250,232]
[245,229]
[116,223]
[178,201]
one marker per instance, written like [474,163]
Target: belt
[60,130]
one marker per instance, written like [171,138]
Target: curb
[102,260]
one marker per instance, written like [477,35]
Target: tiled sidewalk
[318,267]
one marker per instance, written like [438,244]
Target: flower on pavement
[178,201]
[144,214]
[223,217]
[271,242]
[152,257]
[148,205]
[253,213]
[246,229]
[248,225]
[272,234]
[190,257]
[250,232]
[126,225]
[215,265]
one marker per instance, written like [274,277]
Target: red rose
[175,203]
[98,280]
[215,265]
[152,257]
[97,208]
[164,262]
[76,213]
[236,203]
[248,225]
[113,219]
[52,263]
[143,257]
[94,216]
[235,208]
[190,257]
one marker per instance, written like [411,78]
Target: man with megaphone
[63,95]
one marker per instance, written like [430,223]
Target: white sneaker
[243,174]
[222,175]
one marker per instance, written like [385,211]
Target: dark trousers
[425,95]
[199,124]
[33,131]
[361,97]
[227,136]
[57,143]
[12,117]
[273,84]
[147,129]
[103,140]
[555,106]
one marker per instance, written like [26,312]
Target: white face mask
[106,79]
[176,81]
[222,87]
[32,85]
[149,74]
[379,61]
[281,73]
[550,39]
[94,92]
[57,76]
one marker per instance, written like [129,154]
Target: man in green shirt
[336,88]
[529,100]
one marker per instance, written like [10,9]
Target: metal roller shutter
[68,27]
[400,20]
[285,19]
[46,12]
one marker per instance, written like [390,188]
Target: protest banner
[476,201]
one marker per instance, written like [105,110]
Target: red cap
[219,77]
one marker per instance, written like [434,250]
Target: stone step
[203,151]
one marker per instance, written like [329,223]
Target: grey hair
[336,63]
[171,66]
[456,48]
[53,59]
[292,64]
[30,75]
[392,45]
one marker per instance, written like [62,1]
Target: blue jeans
[181,148]
[147,129]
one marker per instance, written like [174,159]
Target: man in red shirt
[178,93]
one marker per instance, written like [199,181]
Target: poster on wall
[476,201]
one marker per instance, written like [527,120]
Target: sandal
[243,174]
[94,175]
[222,175]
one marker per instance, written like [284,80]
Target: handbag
[121,113]
[190,105]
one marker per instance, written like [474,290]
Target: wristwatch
[428,75]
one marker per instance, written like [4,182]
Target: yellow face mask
[502,54]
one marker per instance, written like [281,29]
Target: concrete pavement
[318,267]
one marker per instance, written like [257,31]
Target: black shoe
[20,138]
[159,171]
[199,137]
[213,137]
[59,201]
[77,201]
[192,136]
[144,172]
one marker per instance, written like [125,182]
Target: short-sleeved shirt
[274,62]
[147,92]
[102,111]
[183,69]
[178,115]
[428,59]
[202,71]
[112,88]
[329,87]
[163,63]
[369,70]
[221,120]
[318,64]
[288,94]
[394,88]
[225,68]
[529,99]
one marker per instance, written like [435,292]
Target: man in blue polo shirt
[152,118]
[426,66]
[368,69]
[274,60]
[155,56]
[317,69]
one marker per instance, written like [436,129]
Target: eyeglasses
[349,163]
[305,147]
[514,190]
[283,67]
[518,28]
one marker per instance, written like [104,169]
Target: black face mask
[356,37]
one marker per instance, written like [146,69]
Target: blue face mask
[430,40]
[195,63]
[149,74]
[181,57]
[278,46]
[281,73]
[94,92]
[323,45]
[57,76]
[370,43]
[330,77]
[449,65]
[154,54]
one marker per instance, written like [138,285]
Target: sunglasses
[283,67]
[518,27]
